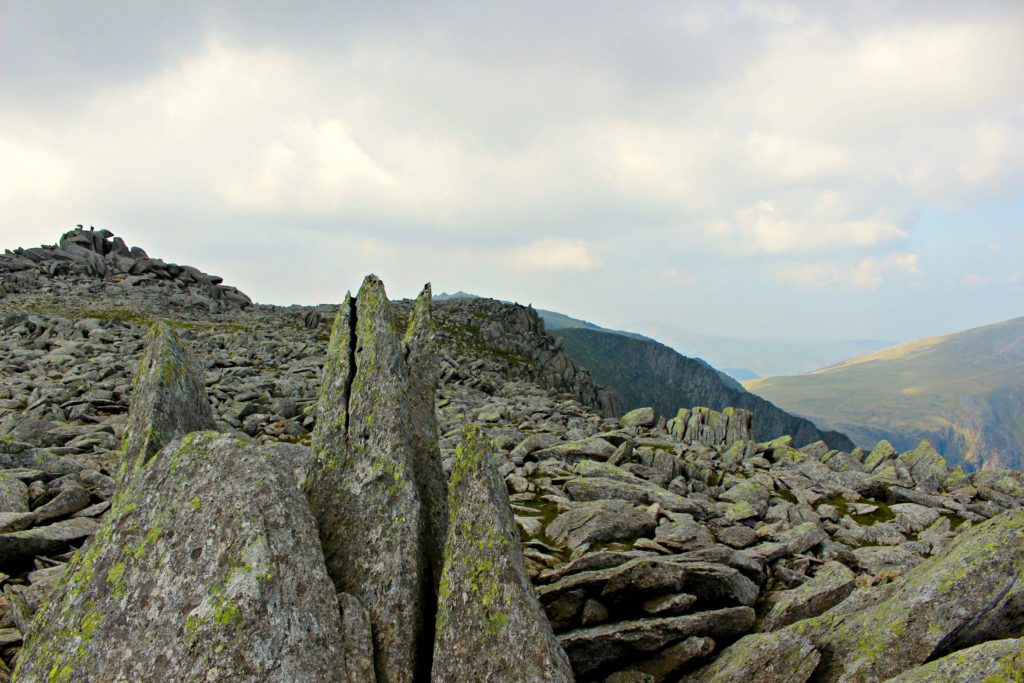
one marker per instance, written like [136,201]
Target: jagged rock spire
[365,482]
[168,397]
[490,626]
[421,359]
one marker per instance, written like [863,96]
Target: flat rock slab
[19,547]
[605,648]
[600,521]
[781,657]
[830,586]
[207,567]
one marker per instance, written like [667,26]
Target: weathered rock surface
[997,661]
[489,623]
[362,484]
[781,657]
[602,648]
[970,593]
[830,586]
[168,590]
[169,397]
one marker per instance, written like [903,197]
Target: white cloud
[770,228]
[868,274]
[789,136]
[554,254]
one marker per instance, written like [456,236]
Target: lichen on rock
[490,625]
[168,397]
[168,590]
[363,482]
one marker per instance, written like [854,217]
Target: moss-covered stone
[363,482]
[490,625]
[165,591]
[967,594]
[168,397]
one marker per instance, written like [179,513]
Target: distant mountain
[445,296]
[964,392]
[647,373]
[761,358]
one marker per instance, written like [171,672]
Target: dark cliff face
[646,373]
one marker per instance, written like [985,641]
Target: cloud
[554,254]
[751,144]
[774,229]
[868,274]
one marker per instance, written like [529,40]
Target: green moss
[59,674]
[195,504]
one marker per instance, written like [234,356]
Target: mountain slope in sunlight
[964,392]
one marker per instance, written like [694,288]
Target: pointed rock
[421,361]
[168,397]
[207,567]
[490,626]
[362,484]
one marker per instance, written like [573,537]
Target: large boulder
[207,567]
[600,521]
[168,397]
[997,661]
[362,483]
[970,593]
[490,625]
[831,585]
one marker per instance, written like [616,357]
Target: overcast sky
[766,170]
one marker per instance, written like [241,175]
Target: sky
[755,169]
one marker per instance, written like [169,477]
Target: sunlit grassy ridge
[963,391]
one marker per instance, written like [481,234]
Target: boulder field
[438,492]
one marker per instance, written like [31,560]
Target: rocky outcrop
[99,256]
[169,397]
[504,341]
[489,623]
[362,483]
[645,373]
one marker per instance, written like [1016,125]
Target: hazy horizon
[754,169]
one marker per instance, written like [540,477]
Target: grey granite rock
[207,567]
[362,485]
[489,623]
[168,397]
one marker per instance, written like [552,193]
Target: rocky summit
[194,487]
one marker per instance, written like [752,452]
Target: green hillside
[964,392]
